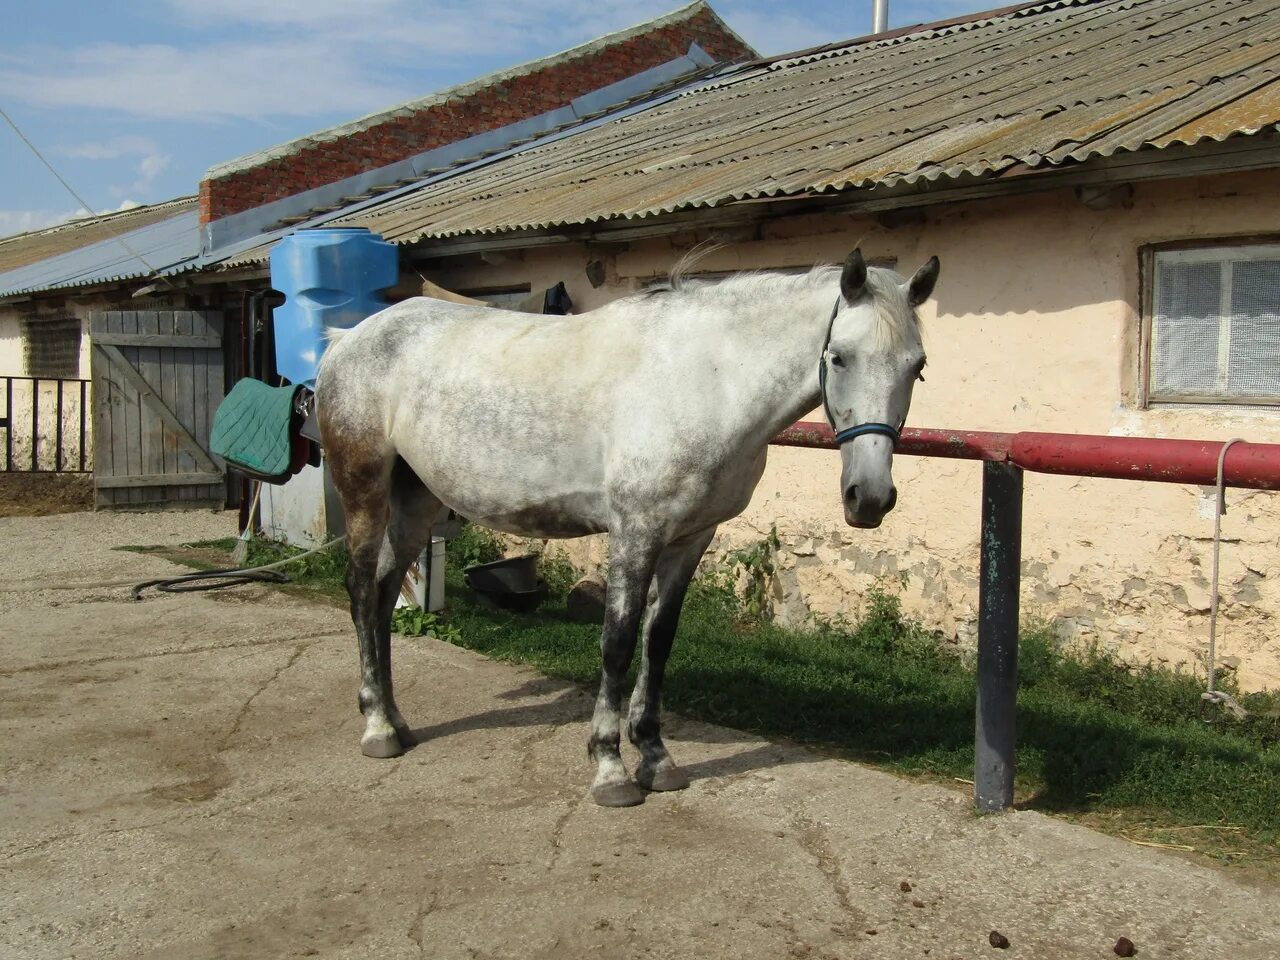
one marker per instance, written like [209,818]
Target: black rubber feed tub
[510,584]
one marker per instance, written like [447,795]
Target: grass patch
[1116,747]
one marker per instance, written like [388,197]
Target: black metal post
[8,423]
[84,384]
[35,424]
[57,451]
[998,635]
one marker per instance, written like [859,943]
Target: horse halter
[861,429]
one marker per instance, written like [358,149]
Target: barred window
[1215,325]
[52,347]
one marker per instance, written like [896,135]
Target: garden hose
[231,577]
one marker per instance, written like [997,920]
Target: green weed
[474,545]
[413,621]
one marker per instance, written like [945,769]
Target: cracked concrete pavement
[182,779]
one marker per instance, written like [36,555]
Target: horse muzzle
[865,507]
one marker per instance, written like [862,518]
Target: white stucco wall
[1034,327]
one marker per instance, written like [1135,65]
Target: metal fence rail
[25,425]
[1006,456]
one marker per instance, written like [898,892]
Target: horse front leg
[676,566]
[631,564]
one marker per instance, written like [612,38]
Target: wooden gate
[157,380]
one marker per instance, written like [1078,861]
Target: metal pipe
[995,722]
[879,16]
[919,442]
[1252,465]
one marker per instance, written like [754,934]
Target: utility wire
[80,200]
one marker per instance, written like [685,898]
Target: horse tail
[330,338]
[686,264]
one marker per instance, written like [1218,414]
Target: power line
[80,200]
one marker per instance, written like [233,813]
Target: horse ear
[921,284]
[853,277]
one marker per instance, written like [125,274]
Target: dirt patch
[42,494]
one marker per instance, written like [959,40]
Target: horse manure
[1124,947]
[917,903]
[998,940]
[904,887]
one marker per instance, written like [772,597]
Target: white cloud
[152,163]
[167,82]
[306,57]
[111,149]
[150,167]
[291,13]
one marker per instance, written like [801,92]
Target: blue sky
[132,100]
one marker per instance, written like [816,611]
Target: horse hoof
[381,746]
[667,778]
[624,794]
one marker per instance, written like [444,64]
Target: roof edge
[76,223]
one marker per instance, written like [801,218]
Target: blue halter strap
[848,433]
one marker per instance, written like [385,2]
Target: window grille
[51,348]
[1215,325]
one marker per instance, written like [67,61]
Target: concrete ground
[181,778]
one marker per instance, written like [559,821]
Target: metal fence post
[998,635]
[35,424]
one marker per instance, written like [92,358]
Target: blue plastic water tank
[330,278]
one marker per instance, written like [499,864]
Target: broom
[241,552]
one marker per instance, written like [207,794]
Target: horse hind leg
[362,475]
[676,566]
[413,510]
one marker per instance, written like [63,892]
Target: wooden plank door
[157,380]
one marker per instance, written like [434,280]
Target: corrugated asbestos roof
[170,245]
[1038,86]
[25,248]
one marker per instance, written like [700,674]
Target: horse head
[870,363]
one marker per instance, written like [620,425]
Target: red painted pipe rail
[1252,465]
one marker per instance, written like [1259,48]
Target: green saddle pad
[253,429]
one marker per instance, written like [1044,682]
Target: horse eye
[837,360]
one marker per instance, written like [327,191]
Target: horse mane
[895,319]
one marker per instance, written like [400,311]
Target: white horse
[648,418]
